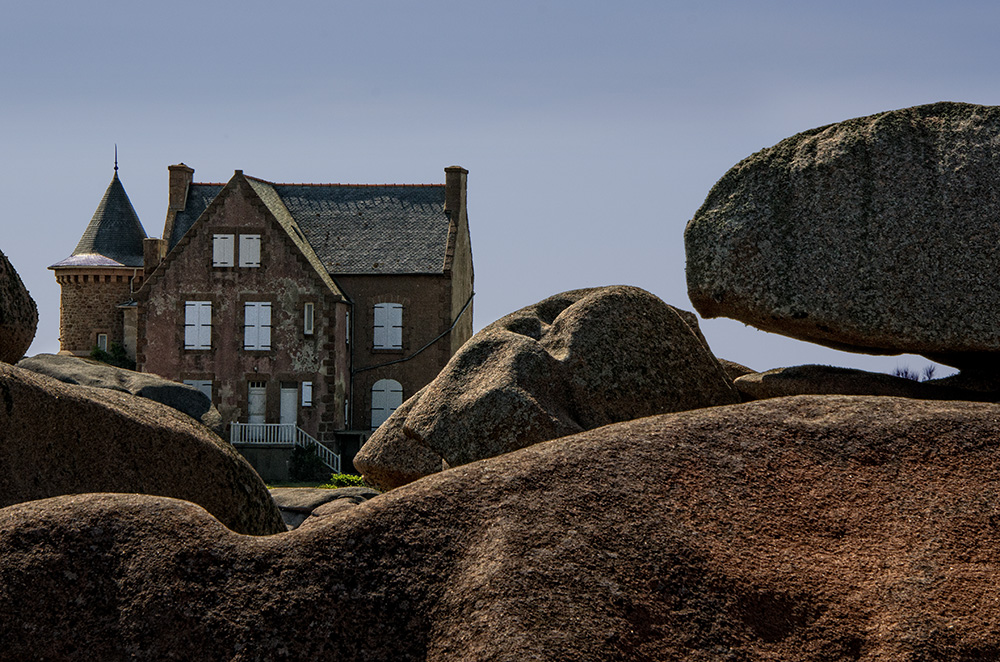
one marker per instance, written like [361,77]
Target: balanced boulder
[829,380]
[874,235]
[805,528]
[61,439]
[18,314]
[88,372]
[575,361]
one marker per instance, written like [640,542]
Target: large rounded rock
[873,235]
[572,362]
[18,314]
[814,527]
[60,439]
[88,372]
[829,380]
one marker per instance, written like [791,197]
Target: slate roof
[114,236]
[354,228]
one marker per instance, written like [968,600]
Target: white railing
[281,433]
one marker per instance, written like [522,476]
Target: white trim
[308,318]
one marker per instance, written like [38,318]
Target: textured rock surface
[18,314]
[60,439]
[828,380]
[734,369]
[806,528]
[391,458]
[874,235]
[87,372]
[297,504]
[572,362]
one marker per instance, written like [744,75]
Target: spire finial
[116,158]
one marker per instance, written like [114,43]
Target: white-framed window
[223,250]
[307,394]
[388,326]
[203,385]
[249,250]
[257,325]
[102,342]
[197,325]
[387,395]
[308,318]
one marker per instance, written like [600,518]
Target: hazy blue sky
[592,130]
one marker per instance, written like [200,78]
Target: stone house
[300,309]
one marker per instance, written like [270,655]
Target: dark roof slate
[199,196]
[355,229]
[114,235]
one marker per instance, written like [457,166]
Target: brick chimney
[181,177]
[153,252]
[454,190]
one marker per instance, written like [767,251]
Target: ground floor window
[387,395]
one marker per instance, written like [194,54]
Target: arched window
[388,330]
[387,395]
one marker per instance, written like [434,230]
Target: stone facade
[286,281]
[329,253]
[89,305]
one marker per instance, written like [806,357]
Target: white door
[289,411]
[257,403]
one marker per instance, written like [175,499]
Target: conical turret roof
[114,236]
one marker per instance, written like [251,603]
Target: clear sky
[592,130]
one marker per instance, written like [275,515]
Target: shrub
[345,480]
[115,356]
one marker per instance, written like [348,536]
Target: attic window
[249,250]
[223,250]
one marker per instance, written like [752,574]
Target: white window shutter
[197,324]
[205,325]
[223,247]
[257,325]
[380,331]
[387,396]
[395,331]
[190,324]
[388,328]
[250,325]
[264,336]
[249,250]
[307,394]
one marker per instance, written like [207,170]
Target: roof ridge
[333,184]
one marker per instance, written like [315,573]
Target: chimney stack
[454,190]
[181,177]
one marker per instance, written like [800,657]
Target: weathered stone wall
[427,305]
[88,305]
[286,280]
